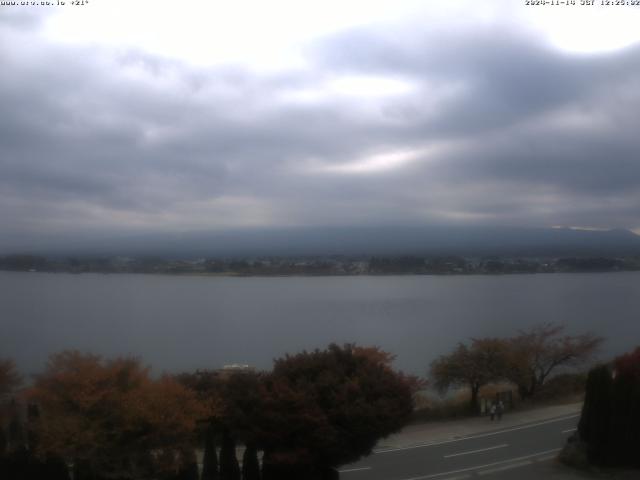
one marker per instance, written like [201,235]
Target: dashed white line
[347,470]
[503,468]
[469,452]
[569,430]
[514,461]
[461,439]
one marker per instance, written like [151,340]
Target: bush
[563,386]
[574,452]
[327,408]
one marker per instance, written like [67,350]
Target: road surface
[521,452]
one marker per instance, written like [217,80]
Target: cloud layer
[402,122]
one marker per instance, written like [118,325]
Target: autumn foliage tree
[10,379]
[110,417]
[472,366]
[327,408]
[17,461]
[527,360]
[535,354]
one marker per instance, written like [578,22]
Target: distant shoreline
[321,275]
[327,266]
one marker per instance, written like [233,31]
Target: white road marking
[469,452]
[505,467]
[470,437]
[569,430]
[545,458]
[480,467]
[354,469]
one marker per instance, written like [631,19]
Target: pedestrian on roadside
[500,409]
[492,410]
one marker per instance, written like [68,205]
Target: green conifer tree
[625,412]
[594,425]
[210,458]
[188,466]
[54,468]
[229,467]
[250,463]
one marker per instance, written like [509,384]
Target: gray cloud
[92,138]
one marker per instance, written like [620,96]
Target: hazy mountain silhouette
[431,240]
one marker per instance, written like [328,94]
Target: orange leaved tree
[110,417]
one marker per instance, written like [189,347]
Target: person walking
[492,411]
[500,410]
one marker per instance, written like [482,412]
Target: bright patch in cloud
[206,32]
[587,29]
[358,87]
[383,162]
[369,86]
[375,163]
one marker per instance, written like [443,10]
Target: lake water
[177,323]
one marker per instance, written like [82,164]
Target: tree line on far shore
[103,419]
[320,265]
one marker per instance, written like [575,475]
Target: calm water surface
[180,323]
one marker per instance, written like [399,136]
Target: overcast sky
[144,116]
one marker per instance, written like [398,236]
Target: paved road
[521,452]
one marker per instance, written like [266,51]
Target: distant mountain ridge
[364,241]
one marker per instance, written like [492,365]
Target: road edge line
[472,436]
